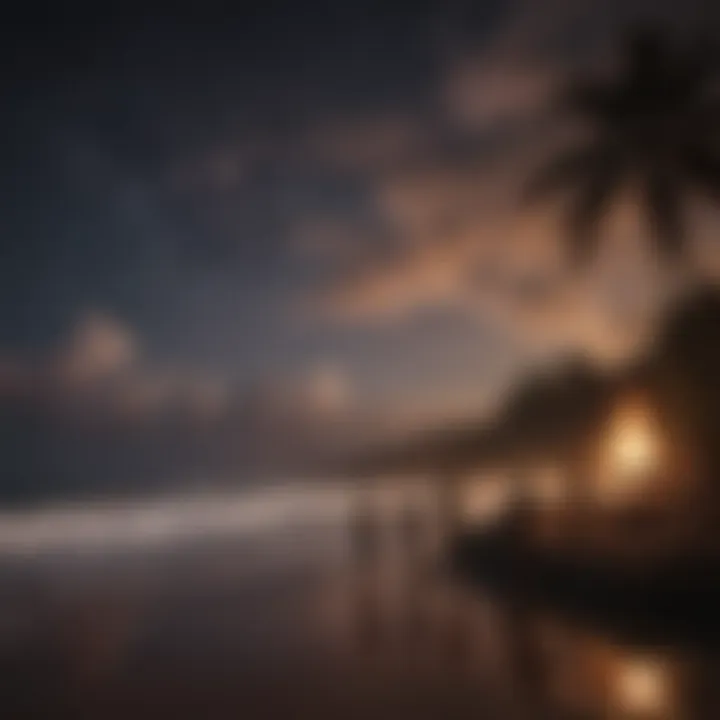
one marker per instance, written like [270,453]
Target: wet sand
[189,633]
[282,625]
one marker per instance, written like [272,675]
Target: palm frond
[659,120]
[702,123]
[664,202]
[591,203]
[563,171]
[647,54]
[589,99]
[703,170]
[700,67]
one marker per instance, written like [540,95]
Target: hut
[621,466]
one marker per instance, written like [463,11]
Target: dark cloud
[306,185]
[96,417]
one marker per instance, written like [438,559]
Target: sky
[232,245]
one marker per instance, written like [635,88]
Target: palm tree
[654,127]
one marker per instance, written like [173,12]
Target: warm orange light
[633,452]
[549,487]
[484,500]
[643,688]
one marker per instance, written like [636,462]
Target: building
[622,467]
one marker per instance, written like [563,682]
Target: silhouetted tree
[685,365]
[653,127]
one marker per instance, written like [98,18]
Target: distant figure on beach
[364,530]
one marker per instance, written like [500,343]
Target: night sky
[231,243]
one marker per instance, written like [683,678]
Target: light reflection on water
[209,622]
[536,665]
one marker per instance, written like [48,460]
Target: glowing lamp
[633,452]
[642,688]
